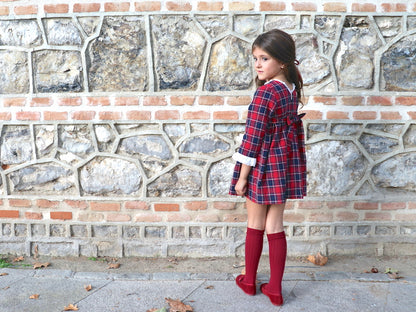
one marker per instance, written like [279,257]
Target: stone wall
[118,122]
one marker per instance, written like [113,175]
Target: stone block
[142,250]
[195,232]
[363,229]
[38,230]
[57,230]
[299,231]
[6,229]
[79,231]
[109,249]
[351,248]
[203,249]
[132,232]
[343,230]
[385,230]
[397,248]
[104,231]
[54,249]
[12,247]
[214,232]
[236,234]
[319,230]
[88,250]
[20,230]
[178,232]
[408,230]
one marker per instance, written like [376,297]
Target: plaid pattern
[274,137]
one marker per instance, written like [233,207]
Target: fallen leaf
[39,265]
[18,259]
[318,259]
[7,287]
[374,270]
[173,260]
[390,270]
[178,306]
[71,307]
[35,296]
[394,275]
[157,310]
[113,266]
[209,287]
[4,274]
[88,287]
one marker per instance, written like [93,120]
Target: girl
[270,164]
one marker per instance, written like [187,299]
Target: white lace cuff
[244,159]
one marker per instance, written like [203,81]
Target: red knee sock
[277,255]
[253,249]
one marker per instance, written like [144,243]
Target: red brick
[83,115]
[8,102]
[26,9]
[5,116]
[272,6]
[241,6]
[393,206]
[36,102]
[335,7]
[393,7]
[109,115]
[336,115]
[45,203]
[116,6]
[227,115]
[139,205]
[178,217]
[77,204]
[224,205]
[56,8]
[148,218]
[178,6]
[406,100]
[234,218]
[103,206]
[182,100]
[308,204]
[210,100]
[326,100]
[289,205]
[352,100]
[320,217]
[4,10]
[380,100]
[412,205]
[365,206]
[239,100]
[72,101]
[207,218]
[86,7]
[90,217]
[195,205]
[138,115]
[166,207]
[363,7]
[390,116]
[117,217]
[294,217]
[346,216]
[55,115]
[412,115]
[196,115]
[154,101]
[167,115]
[312,114]
[210,6]
[28,115]
[24,203]
[33,215]
[408,217]
[126,101]
[147,6]
[360,115]
[337,204]
[98,101]
[304,6]
[377,216]
[9,214]
[61,215]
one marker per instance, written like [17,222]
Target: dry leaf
[71,307]
[113,266]
[318,259]
[4,274]
[374,270]
[88,287]
[35,296]
[394,275]
[38,265]
[209,287]
[7,287]
[18,259]
[178,306]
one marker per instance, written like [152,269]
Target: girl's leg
[256,215]
[277,253]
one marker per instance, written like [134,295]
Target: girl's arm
[241,186]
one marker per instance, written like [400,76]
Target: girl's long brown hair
[281,46]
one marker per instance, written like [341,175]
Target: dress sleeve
[257,121]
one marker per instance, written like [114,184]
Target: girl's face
[267,68]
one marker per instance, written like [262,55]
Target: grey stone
[148,145]
[195,232]
[131,232]
[117,58]
[16,146]
[283,22]
[385,230]
[38,229]
[76,139]
[14,72]
[155,232]
[343,230]
[248,25]
[363,229]
[89,24]
[53,249]
[45,139]
[319,230]
[218,249]
[104,231]
[62,31]
[377,145]
[20,33]
[397,172]
[214,25]
[214,232]
[219,177]
[57,230]
[346,129]
[327,26]
[352,248]
[299,231]
[78,230]
[182,69]
[408,230]
[395,129]
[389,26]
[20,230]
[108,175]
[204,144]
[6,229]
[178,232]
[338,166]
[229,66]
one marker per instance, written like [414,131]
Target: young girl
[270,164]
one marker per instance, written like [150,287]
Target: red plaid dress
[273,144]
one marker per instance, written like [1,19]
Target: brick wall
[207,226]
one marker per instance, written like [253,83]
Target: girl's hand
[241,187]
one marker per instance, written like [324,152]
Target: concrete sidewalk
[208,292]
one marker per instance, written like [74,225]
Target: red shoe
[276,299]
[249,289]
